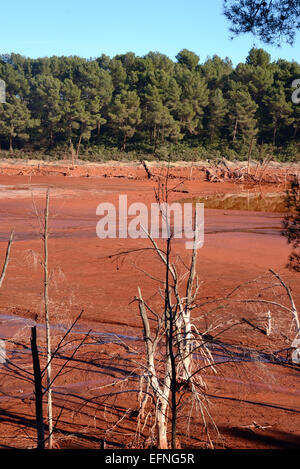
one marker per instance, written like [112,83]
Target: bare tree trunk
[249,154]
[71,145]
[269,323]
[295,131]
[155,138]
[11,150]
[169,325]
[51,137]
[124,142]
[234,130]
[162,428]
[161,395]
[78,145]
[38,391]
[274,135]
[47,323]
[6,258]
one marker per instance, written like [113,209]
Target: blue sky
[89,28]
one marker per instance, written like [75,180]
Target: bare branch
[294,309]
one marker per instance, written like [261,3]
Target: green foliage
[217,111]
[188,59]
[289,152]
[125,114]
[15,120]
[242,110]
[150,105]
[46,104]
[272,21]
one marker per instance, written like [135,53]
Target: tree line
[146,103]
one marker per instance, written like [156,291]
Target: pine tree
[242,115]
[194,99]
[217,111]
[216,70]
[46,104]
[172,97]
[188,59]
[118,75]
[271,21]
[96,87]
[95,93]
[72,111]
[158,119]
[125,114]
[15,120]
[280,111]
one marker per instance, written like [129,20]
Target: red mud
[254,406]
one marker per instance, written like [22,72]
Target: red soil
[86,275]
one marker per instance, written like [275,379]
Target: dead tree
[38,391]
[293,306]
[274,305]
[47,324]
[169,367]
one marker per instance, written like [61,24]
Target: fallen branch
[254,326]
[147,169]
[256,426]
